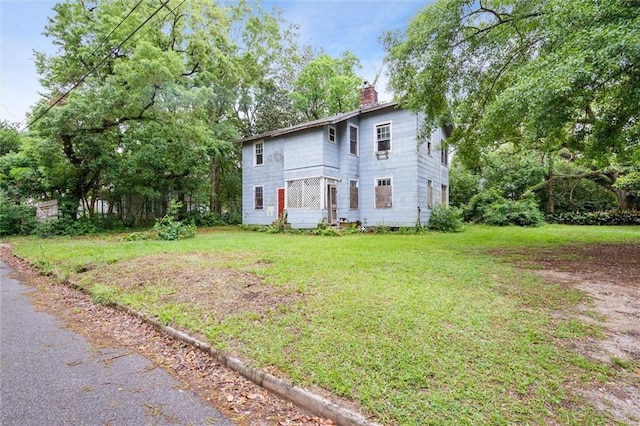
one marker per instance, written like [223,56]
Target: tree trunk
[183,206]
[549,179]
[215,199]
[624,196]
[623,199]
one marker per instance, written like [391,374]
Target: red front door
[280,201]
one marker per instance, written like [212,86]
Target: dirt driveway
[610,275]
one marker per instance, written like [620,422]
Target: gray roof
[319,123]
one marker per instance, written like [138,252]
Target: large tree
[548,75]
[327,86]
[147,96]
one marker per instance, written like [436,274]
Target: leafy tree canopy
[327,86]
[9,138]
[156,88]
[544,74]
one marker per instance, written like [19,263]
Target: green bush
[477,207]
[324,230]
[214,219]
[16,219]
[170,229]
[523,212]
[65,227]
[445,219]
[611,217]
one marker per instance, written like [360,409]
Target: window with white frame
[430,193]
[444,195]
[384,193]
[258,197]
[429,147]
[353,139]
[383,137]
[331,134]
[353,194]
[258,157]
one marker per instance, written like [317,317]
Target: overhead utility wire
[116,27]
[95,67]
[170,11]
[104,40]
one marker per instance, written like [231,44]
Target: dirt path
[610,275]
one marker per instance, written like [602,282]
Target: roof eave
[318,123]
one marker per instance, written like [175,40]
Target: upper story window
[444,155]
[258,153]
[429,146]
[353,140]
[331,134]
[383,137]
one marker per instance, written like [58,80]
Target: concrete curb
[301,397]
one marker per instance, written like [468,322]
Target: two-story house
[366,166]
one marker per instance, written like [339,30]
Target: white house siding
[430,167]
[303,149]
[401,166]
[307,153]
[268,175]
[349,170]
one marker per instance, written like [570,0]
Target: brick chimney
[368,95]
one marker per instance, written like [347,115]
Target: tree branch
[503,69]
[193,71]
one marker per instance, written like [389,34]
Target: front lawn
[417,329]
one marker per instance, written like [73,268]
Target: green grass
[418,329]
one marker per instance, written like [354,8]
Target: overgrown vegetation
[628,217]
[549,110]
[15,219]
[445,219]
[169,228]
[523,212]
[156,119]
[417,329]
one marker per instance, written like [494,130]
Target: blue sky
[335,26]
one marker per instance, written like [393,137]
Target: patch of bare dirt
[237,398]
[610,275]
[199,280]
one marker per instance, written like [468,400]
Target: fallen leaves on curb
[239,399]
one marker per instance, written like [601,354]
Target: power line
[171,11]
[116,27]
[95,67]
[76,71]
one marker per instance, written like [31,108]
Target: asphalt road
[52,376]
